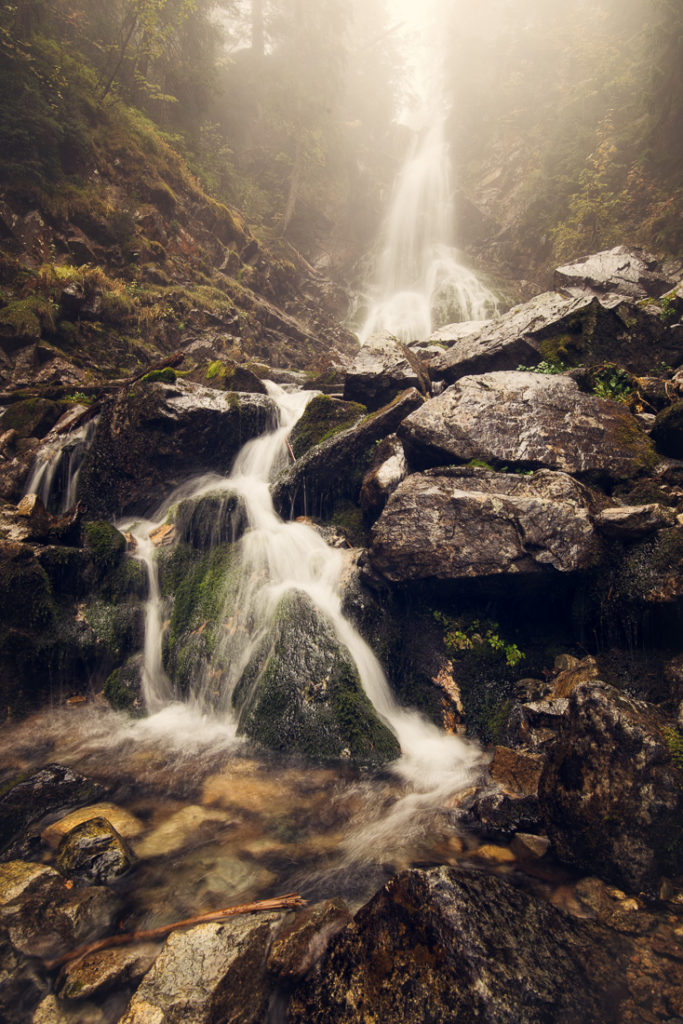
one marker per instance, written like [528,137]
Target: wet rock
[18,878]
[95,851]
[495,814]
[151,438]
[230,376]
[613,907]
[27,522]
[444,945]
[50,789]
[381,480]
[626,271]
[22,984]
[382,370]
[209,975]
[667,431]
[125,823]
[610,796]
[529,847]
[301,692]
[528,420]
[512,339]
[106,970]
[329,476]
[566,681]
[516,771]
[474,523]
[49,923]
[322,418]
[215,518]
[630,522]
[303,941]
[535,724]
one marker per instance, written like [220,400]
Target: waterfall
[54,476]
[278,557]
[420,282]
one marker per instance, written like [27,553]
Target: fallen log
[289,901]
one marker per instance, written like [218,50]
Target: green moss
[368,739]
[122,688]
[347,517]
[105,543]
[674,741]
[165,376]
[29,317]
[323,418]
[115,627]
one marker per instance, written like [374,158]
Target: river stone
[383,368]
[94,850]
[322,418]
[213,974]
[49,789]
[125,823]
[19,877]
[626,271]
[151,437]
[48,924]
[531,420]
[301,692]
[22,984]
[444,945]
[611,799]
[474,523]
[107,969]
[333,471]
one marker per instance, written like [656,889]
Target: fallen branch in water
[287,902]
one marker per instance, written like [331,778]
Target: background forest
[565,123]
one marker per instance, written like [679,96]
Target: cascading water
[276,558]
[54,477]
[420,282]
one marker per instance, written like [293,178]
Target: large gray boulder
[473,523]
[528,420]
[610,795]
[382,370]
[446,945]
[153,436]
[626,271]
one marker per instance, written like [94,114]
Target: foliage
[674,741]
[613,382]
[479,636]
[545,366]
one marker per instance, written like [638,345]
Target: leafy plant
[613,382]
[545,366]
[479,636]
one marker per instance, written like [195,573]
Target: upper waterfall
[420,282]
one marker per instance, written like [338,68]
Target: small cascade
[420,281]
[54,477]
[278,558]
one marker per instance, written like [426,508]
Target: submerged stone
[301,692]
[95,851]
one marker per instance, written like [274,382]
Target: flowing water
[54,477]
[216,820]
[420,281]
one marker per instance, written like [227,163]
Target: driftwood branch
[287,902]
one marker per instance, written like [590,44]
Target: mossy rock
[33,417]
[667,432]
[123,688]
[322,418]
[301,692]
[105,544]
[117,627]
[213,519]
[229,376]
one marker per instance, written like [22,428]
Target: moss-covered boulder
[322,418]
[301,692]
[153,437]
[210,520]
[32,417]
[230,376]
